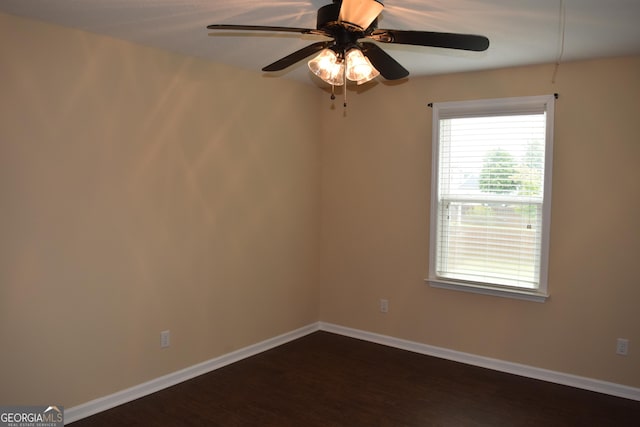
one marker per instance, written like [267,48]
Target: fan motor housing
[328,16]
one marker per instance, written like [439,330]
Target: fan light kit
[331,68]
[346,57]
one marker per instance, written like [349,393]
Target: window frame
[485,108]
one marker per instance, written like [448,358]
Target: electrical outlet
[622,346]
[384,306]
[165,339]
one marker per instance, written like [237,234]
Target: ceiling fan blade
[296,56]
[388,67]
[433,39]
[360,13]
[265,28]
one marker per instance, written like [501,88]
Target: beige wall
[375,202]
[137,194]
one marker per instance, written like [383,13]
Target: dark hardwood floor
[327,380]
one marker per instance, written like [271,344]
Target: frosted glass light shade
[328,67]
[359,68]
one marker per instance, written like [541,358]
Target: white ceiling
[521,32]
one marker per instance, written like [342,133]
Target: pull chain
[344,79]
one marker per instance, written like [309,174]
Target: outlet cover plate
[165,339]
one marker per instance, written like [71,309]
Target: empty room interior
[145,189]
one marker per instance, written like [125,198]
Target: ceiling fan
[347,56]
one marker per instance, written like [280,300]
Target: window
[491,195]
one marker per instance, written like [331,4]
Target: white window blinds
[489,204]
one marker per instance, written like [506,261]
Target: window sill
[532,295]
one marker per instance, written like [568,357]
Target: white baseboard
[102,404]
[486,362]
